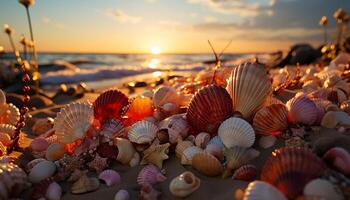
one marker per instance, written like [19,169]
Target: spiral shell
[126,150]
[110,177]
[142,132]
[271,120]
[150,174]
[184,184]
[302,110]
[236,132]
[259,190]
[176,127]
[13,180]
[164,95]
[73,121]
[207,164]
[140,108]
[188,153]
[245,173]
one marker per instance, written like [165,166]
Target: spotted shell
[142,132]
[150,174]
[271,120]
[9,114]
[302,110]
[245,173]
[259,190]
[126,150]
[165,94]
[188,153]
[289,169]
[207,164]
[184,184]
[110,177]
[176,127]
[246,81]
[209,107]
[13,180]
[73,121]
[236,132]
[140,108]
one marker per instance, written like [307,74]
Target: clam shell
[148,192]
[259,190]
[202,139]
[110,177]
[85,184]
[176,127]
[38,144]
[54,192]
[110,105]
[13,180]
[165,94]
[215,150]
[246,81]
[188,153]
[73,121]
[236,132]
[7,128]
[142,132]
[207,164]
[333,118]
[54,152]
[151,175]
[32,163]
[245,173]
[113,128]
[2,97]
[9,114]
[122,195]
[339,158]
[41,171]
[323,189]
[290,169]
[271,120]
[126,150]
[302,110]
[209,107]
[140,108]
[181,146]
[184,184]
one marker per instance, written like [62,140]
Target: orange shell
[271,120]
[140,108]
[207,164]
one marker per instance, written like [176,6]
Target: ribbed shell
[259,190]
[165,94]
[302,110]
[176,126]
[113,128]
[249,86]
[245,173]
[140,108]
[188,153]
[150,174]
[289,169]
[271,120]
[142,132]
[209,107]
[7,128]
[110,177]
[73,121]
[207,164]
[236,132]
[9,114]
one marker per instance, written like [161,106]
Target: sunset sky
[175,26]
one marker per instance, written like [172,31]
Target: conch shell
[184,184]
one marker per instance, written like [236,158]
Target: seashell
[147,93]
[217,141]
[113,128]
[54,152]
[246,81]
[76,174]
[337,95]
[237,157]
[335,118]
[202,139]
[5,139]
[245,173]
[272,100]
[8,159]
[3,150]
[32,163]
[135,160]
[266,142]
[207,164]
[185,99]
[181,146]
[151,175]
[175,126]
[236,132]
[110,105]
[110,177]
[142,132]
[147,192]
[85,184]
[41,126]
[7,128]
[13,180]
[169,108]
[54,191]
[341,59]
[9,114]
[122,195]
[38,144]
[126,150]
[140,108]
[107,150]
[323,189]
[98,163]
[271,120]
[73,121]
[2,97]
[165,94]
[184,184]
[206,114]
[339,158]
[259,190]
[290,169]
[188,153]
[156,154]
[302,110]
[41,171]
[215,150]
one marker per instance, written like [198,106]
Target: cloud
[210,19]
[121,17]
[151,1]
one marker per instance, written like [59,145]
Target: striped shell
[249,86]
[9,114]
[110,177]
[290,169]
[142,132]
[209,107]
[140,108]
[245,173]
[184,184]
[302,110]
[150,174]
[188,153]
[164,95]
[271,120]
[7,128]
[202,139]
[259,190]
[207,164]
[236,132]
[176,127]
[13,180]
[217,141]
[73,121]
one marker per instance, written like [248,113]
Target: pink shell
[271,120]
[39,144]
[209,107]
[176,127]
[54,191]
[215,150]
[302,110]
[113,128]
[110,177]
[245,173]
[339,158]
[150,174]
[290,169]
[202,139]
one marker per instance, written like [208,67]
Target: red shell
[302,110]
[290,169]
[110,105]
[245,173]
[271,120]
[107,151]
[209,107]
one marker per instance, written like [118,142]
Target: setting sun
[155,50]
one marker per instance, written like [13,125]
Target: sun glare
[155,50]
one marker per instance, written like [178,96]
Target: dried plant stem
[35,55]
[18,57]
[340,32]
[325,35]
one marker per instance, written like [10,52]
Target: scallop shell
[272,100]
[245,173]
[113,128]
[54,152]
[41,171]
[9,114]
[323,189]
[5,139]
[73,121]
[150,174]
[202,139]
[188,153]
[271,120]
[54,191]
[207,164]
[165,94]
[126,150]
[236,132]
[122,195]
[290,169]
[110,105]
[13,180]
[39,144]
[148,192]
[184,184]
[2,97]
[181,146]
[85,184]
[215,150]
[302,110]
[142,132]
[246,81]
[7,128]
[140,108]
[333,119]
[259,190]
[110,177]
[209,107]
[339,158]
[176,127]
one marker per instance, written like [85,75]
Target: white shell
[122,195]
[236,132]
[267,141]
[165,94]
[142,132]
[184,184]
[2,97]
[202,139]
[322,188]
[73,121]
[238,156]
[176,126]
[41,171]
[187,154]
[259,190]
[54,191]
[125,150]
[217,141]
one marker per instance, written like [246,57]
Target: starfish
[155,154]
[98,163]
